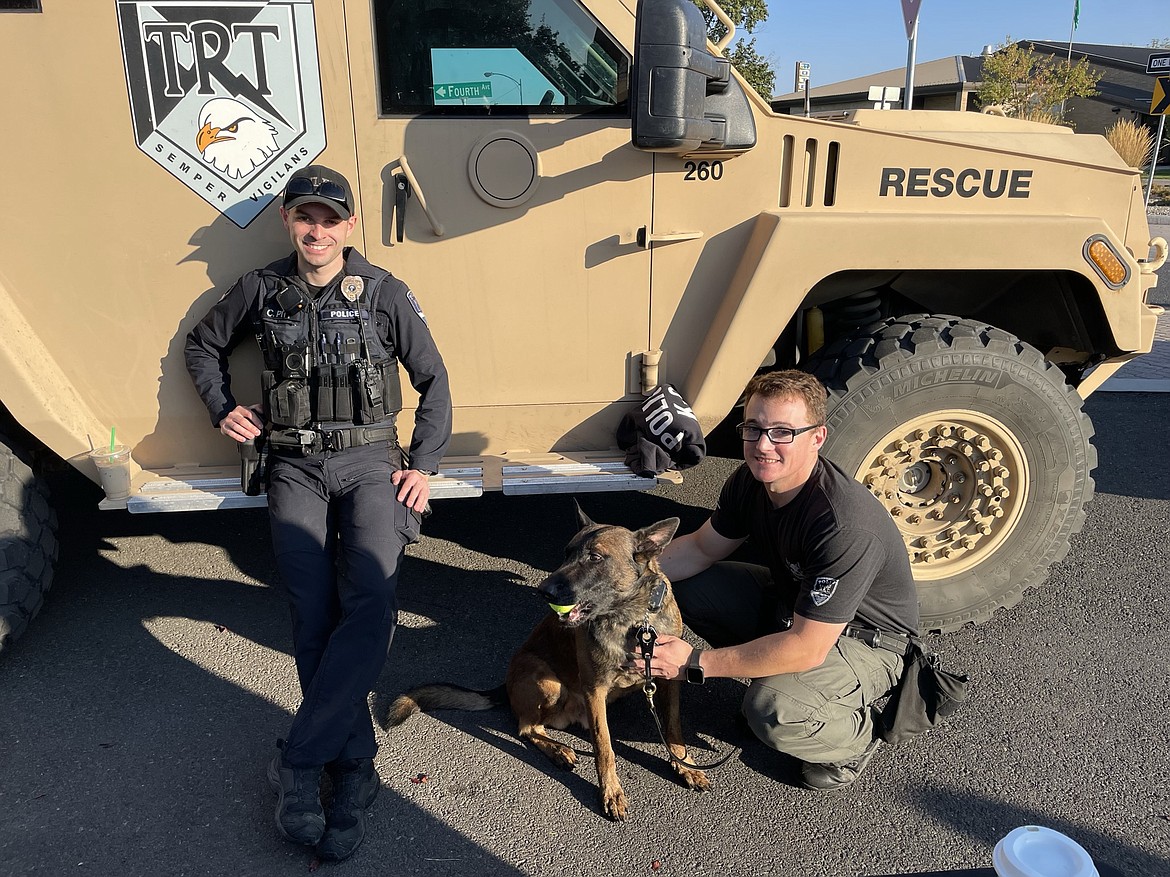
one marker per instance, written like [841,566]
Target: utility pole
[910,10]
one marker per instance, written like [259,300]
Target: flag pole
[1072,30]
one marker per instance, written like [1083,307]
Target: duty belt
[312,441]
[880,639]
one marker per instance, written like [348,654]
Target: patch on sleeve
[823,590]
[417,308]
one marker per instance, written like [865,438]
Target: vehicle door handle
[646,237]
[405,186]
[401,193]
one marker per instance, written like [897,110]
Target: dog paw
[694,779]
[564,758]
[613,802]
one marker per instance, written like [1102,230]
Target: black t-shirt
[834,552]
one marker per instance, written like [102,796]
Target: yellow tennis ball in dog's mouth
[561,610]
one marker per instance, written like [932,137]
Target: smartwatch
[694,669]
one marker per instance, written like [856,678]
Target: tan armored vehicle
[587,207]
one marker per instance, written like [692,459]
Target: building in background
[1124,89]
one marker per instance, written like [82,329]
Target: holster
[254,466]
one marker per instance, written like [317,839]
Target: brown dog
[571,666]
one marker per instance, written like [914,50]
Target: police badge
[351,287]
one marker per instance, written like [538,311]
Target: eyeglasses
[777,435]
[299,186]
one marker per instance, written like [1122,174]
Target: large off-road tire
[28,544]
[975,444]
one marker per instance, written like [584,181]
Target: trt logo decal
[226,96]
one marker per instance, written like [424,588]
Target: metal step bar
[207,488]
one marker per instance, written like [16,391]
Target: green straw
[112,428]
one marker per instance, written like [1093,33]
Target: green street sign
[462,90]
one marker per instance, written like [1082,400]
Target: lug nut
[896,511]
[986,489]
[983,527]
[995,511]
[995,454]
[921,435]
[913,519]
[981,442]
[963,433]
[967,542]
[1001,472]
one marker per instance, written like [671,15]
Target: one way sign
[1159,63]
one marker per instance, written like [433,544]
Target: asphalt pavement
[139,710]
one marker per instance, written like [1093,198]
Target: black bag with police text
[661,432]
[924,697]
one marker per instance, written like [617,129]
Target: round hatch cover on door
[504,169]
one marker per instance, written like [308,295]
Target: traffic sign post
[1159,106]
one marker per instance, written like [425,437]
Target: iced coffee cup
[113,466]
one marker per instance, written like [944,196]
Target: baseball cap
[317,184]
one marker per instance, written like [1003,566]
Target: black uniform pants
[339,533]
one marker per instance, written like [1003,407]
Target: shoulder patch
[823,590]
[417,307]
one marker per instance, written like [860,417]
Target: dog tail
[441,696]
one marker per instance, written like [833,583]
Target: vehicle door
[509,121]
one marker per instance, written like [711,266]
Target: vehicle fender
[780,265]
[38,394]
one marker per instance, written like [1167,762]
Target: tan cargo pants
[821,715]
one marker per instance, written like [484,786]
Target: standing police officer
[343,498]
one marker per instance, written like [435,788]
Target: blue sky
[842,39]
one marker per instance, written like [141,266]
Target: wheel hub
[954,482]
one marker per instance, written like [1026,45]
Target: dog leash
[647,636]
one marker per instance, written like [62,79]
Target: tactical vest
[324,360]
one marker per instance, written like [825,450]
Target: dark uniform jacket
[395,329]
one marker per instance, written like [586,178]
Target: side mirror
[683,98]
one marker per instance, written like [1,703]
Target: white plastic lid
[1035,851]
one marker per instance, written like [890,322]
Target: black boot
[355,786]
[299,817]
[826,777]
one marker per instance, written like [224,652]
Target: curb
[1135,385]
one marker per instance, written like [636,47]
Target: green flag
[1076,13]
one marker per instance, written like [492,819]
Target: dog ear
[582,518]
[649,541]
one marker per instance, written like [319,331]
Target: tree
[1160,44]
[1028,84]
[747,16]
